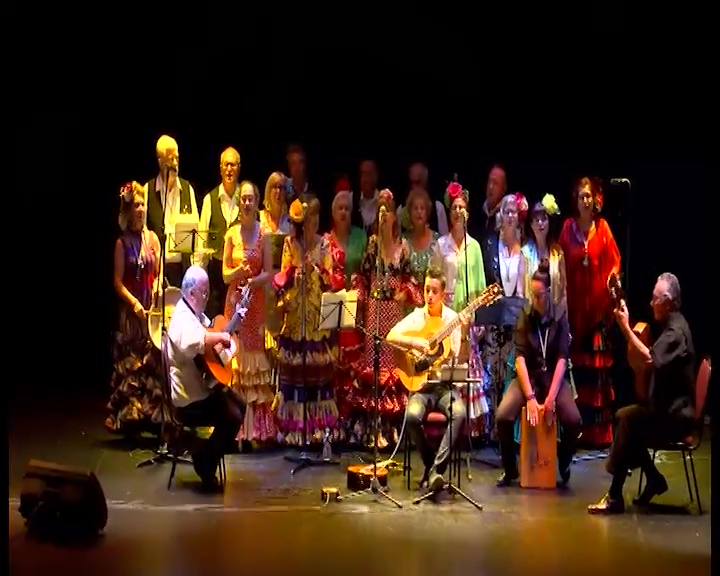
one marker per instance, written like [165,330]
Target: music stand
[450,376]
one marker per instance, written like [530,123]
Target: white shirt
[416,321]
[230,211]
[368,207]
[186,335]
[171,212]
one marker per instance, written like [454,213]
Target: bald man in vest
[180,200]
[219,211]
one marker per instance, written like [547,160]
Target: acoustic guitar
[218,360]
[413,366]
[642,331]
[360,475]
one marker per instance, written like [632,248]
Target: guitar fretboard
[488,296]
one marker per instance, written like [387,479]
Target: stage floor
[268,522]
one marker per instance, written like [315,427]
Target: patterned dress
[421,260]
[346,261]
[453,258]
[306,364]
[377,294]
[589,261]
[135,403]
[251,370]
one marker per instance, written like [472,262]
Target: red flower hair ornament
[128,191]
[597,192]
[453,192]
[522,205]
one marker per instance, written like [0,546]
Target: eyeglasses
[204,295]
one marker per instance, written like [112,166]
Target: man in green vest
[219,211]
[169,195]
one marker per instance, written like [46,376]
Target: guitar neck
[232,325]
[469,309]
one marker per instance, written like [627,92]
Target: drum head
[172,297]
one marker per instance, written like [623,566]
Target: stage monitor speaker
[58,499]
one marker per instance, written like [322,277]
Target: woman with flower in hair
[542,244]
[136,388]
[591,255]
[247,262]
[386,287]
[456,257]
[422,240]
[306,360]
[508,271]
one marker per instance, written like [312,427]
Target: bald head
[167,152]
[230,169]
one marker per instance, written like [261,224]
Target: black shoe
[607,506]
[210,485]
[507,479]
[436,482]
[654,487]
[564,477]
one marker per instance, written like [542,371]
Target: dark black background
[550,94]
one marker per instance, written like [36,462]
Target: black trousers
[218,289]
[222,410]
[637,429]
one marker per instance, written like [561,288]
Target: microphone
[382,213]
[616,181]
[463,213]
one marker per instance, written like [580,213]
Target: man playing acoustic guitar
[196,402]
[430,395]
[668,413]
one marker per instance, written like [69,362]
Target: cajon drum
[538,452]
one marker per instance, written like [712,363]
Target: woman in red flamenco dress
[591,255]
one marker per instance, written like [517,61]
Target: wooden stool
[538,452]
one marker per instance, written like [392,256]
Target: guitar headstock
[491,294]
[242,305]
[614,286]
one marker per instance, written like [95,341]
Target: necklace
[585,241]
[543,347]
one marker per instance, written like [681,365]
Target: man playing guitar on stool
[197,402]
[432,395]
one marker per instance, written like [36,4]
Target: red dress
[589,261]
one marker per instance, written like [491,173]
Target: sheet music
[338,309]
[182,236]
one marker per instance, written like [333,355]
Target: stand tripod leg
[452,490]
[161,456]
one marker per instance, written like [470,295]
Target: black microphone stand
[162,454]
[375,487]
[304,460]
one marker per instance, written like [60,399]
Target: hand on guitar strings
[400,297]
[421,345]
[225,340]
[622,316]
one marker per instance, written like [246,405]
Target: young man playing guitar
[199,402]
[431,395]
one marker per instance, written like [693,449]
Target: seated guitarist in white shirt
[431,396]
[197,402]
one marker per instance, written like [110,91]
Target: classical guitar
[218,360]
[360,475]
[413,366]
[642,331]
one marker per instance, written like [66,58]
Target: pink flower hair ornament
[385,196]
[522,205]
[455,191]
